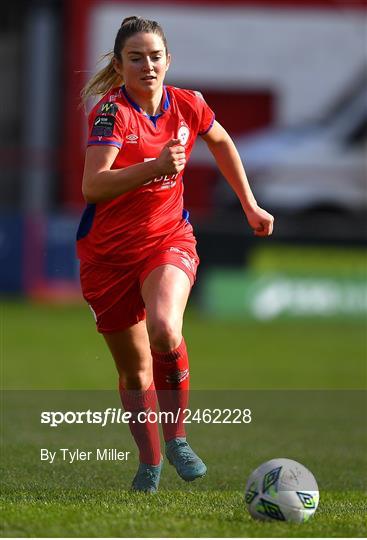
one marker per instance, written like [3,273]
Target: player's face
[144,62]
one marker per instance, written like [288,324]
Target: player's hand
[172,158]
[260,221]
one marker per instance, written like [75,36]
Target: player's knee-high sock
[171,379]
[146,434]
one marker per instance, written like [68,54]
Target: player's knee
[140,380]
[164,336]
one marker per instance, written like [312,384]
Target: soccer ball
[282,490]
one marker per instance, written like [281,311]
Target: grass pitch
[182,513]
[57,349]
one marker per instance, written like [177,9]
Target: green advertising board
[285,282]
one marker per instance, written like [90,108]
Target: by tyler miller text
[73,455]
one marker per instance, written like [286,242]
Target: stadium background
[287,79]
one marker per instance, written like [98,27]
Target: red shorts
[113,293]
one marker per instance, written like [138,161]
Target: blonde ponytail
[102,82]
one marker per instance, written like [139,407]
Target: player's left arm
[229,162]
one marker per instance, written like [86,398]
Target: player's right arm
[101,183]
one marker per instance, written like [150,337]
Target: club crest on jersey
[183,134]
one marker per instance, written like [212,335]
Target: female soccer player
[135,243]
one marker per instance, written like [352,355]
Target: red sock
[172,381]
[146,434]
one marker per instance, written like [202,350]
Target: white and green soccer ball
[282,490]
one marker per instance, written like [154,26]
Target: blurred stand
[38,254]
[41,116]
[294,101]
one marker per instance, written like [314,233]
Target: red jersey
[127,227]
